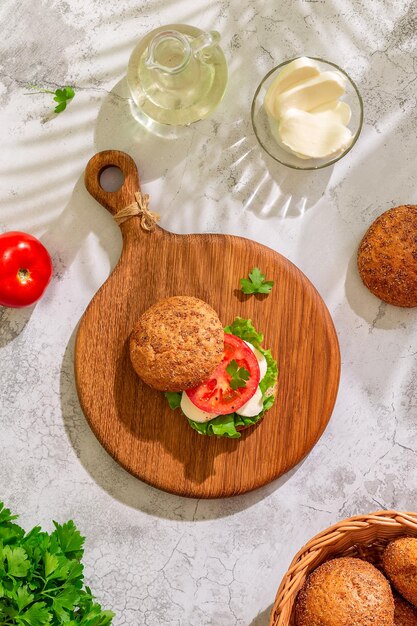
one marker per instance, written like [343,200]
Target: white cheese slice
[253,406]
[310,94]
[274,126]
[295,72]
[260,358]
[193,412]
[340,110]
[313,135]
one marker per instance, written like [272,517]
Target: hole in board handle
[111,178]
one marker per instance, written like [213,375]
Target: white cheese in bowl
[314,135]
[306,115]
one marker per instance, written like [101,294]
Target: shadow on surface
[262,619]
[299,191]
[377,313]
[132,401]
[155,155]
[13,322]
[126,488]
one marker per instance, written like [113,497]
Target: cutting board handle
[113,201]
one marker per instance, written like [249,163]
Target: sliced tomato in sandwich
[216,395]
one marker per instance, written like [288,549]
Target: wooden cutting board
[134,422]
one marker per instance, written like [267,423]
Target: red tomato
[25,269]
[215,395]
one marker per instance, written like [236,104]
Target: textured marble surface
[155,558]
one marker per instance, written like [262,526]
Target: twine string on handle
[140,207]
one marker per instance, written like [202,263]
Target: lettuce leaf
[174,399]
[221,426]
[271,375]
[226,425]
[245,330]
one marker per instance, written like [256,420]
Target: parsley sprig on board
[41,577]
[62,96]
[256,282]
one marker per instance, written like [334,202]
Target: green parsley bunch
[41,577]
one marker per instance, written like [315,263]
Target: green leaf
[36,615]
[23,597]
[91,613]
[105,618]
[266,286]
[65,602]
[174,399]
[256,276]
[224,426]
[5,514]
[17,561]
[256,282]
[244,329]
[271,376]
[75,573]
[36,543]
[268,402]
[62,96]
[10,533]
[221,426]
[70,540]
[69,92]
[10,613]
[62,570]
[247,286]
[239,375]
[51,563]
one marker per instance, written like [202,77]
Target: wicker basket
[364,536]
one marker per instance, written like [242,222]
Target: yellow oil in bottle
[177,74]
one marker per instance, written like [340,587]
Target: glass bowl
[261,127]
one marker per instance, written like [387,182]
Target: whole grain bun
[387,256]
[399,561]
[404,613]
[176,343]
[345,592]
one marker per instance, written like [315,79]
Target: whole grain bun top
[345,592]
[404,613]
[399,561]
[387,256]
[177,343]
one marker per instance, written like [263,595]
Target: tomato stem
[23,275]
